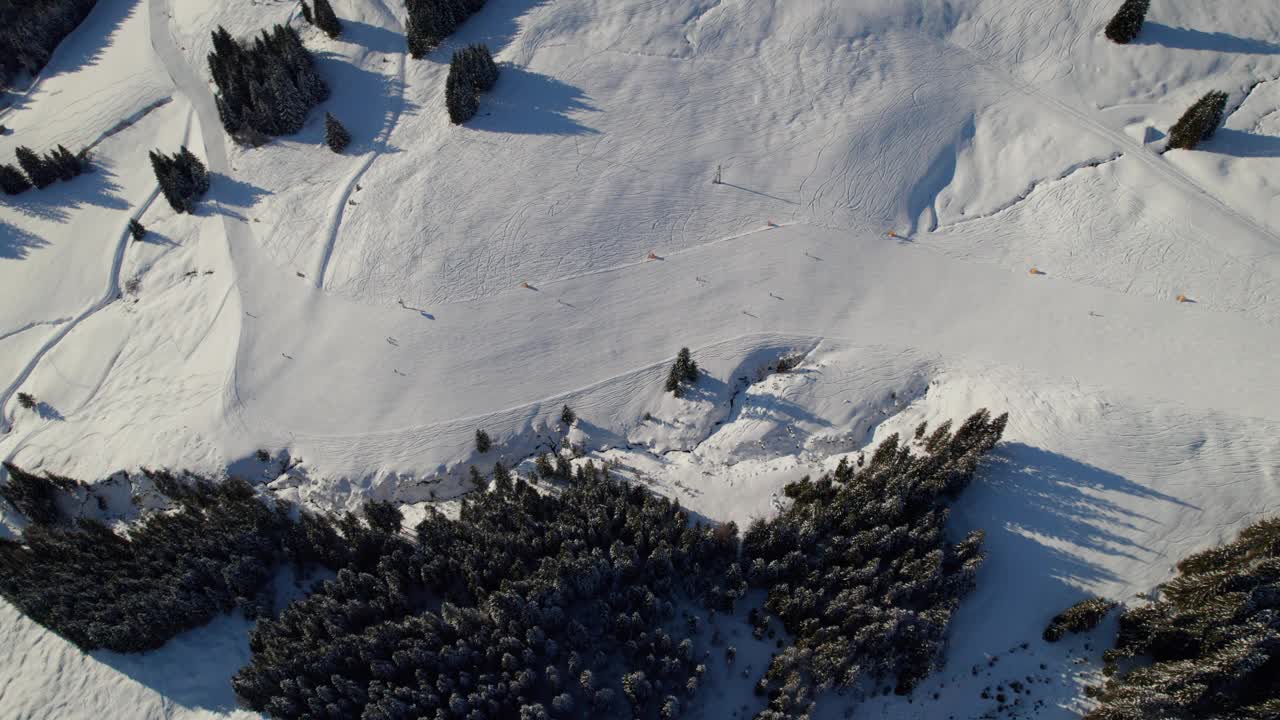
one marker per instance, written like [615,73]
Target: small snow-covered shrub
[1081,617]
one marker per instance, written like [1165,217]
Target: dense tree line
[471,72]
[568,602]
[1199,122]
[431,21]
[174,572]
[267,87]
[182,178]
[1209,647]
[41,171]
[1126,24]
[529,605]
[859,570]
[31,29]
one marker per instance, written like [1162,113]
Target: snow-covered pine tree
[12,181]
[306,13]
[1126,24]
[137,229]
[326,20]
[1199,122]
[26,401]
[687,367]
[483,443]
[335,135]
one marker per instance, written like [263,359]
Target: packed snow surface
[937,206]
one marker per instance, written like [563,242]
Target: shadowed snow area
[935,207]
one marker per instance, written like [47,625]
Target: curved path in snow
[333,224]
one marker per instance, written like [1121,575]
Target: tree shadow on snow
[364,102]
[1239,143]
[1187,39]
[495,25]
[372,38]
[1039,510]
[528,103]
[230,191]
[88,42]
[56,202]
[16,243]
[194,669]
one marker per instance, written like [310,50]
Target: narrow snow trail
[110,294]
[333,224]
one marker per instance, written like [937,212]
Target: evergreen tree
[137,230]
[687,367]
[483,443]
[1199,122]
[335,135]
[27,401]
[1124,27]
[265,87]
[568,416]
[182,178]
[38,170]
[460,99]
[326,20]
[306,13]
[12,181]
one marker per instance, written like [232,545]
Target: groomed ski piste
[938,206]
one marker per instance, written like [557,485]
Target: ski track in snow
[109,295]
[333,225]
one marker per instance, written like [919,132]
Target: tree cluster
[1081,617]
[174,572]
[527,606]
[471,72]
[31,29]
[182,178]
[431,21]
[684,371]
[1126,24]
[267,87]
[568,604]
[1199,122]
[323,17]
[57,164]
[859,570]
[1209,647]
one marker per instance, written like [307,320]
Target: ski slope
[891,176]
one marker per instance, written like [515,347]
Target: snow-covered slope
[892,171]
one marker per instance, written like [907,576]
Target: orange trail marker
[893,234]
